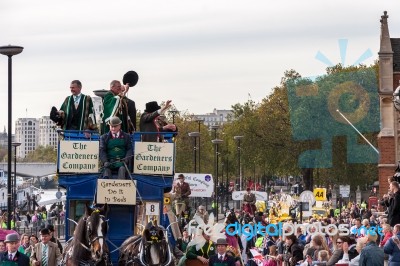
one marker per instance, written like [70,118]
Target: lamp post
[9,51]
[216,142]
[15,145]
[199,121]
[194,135]
[238,138]
[173,113]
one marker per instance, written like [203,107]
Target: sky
[202,54]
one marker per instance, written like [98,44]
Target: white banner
[201,185]
[78,157]
[116,191]
[153,158]
[260,195]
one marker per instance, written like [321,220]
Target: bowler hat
[12,238]
[115,121]
[221,241]
[130,77]
[152,107]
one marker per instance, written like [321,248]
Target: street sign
[344,190]
[307,196]
[320,194]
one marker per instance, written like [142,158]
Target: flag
[256,255]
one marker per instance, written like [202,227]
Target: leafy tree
[42,154]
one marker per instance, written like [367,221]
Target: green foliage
[42,154]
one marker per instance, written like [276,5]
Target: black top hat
[152,107]
[130,77]
[50,227]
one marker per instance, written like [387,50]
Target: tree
[42,154]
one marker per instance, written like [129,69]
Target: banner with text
[260,195]
[154,158]
[201,185]
[116,191]
[78,157]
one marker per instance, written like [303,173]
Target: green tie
[44,256]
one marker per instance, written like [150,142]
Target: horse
[88,245]
[151,248]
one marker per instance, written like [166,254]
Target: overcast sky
[202,54]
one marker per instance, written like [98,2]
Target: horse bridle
[91,241]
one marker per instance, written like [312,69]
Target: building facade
[34,132]
[217,117]
[389,76]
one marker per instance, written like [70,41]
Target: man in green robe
[77,110]
[115,150]
[115,103]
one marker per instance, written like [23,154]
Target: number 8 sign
[152,208]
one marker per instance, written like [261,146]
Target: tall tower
[388,136]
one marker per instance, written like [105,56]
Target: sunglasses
[339,242]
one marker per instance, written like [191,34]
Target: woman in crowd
[293,251]
[338,253]
[317,243]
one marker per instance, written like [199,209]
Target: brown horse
[151,248]
[88,246]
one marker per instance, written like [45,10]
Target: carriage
[132,203]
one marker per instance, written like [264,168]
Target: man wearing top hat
[221,258]
[115,103]
[12,256]
[45,253]
[115,149]
[76,112]
[153,120]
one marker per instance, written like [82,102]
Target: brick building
[389,76]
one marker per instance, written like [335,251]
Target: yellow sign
[116,191]
[320,194]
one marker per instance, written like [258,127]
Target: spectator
[394,204]
[46,250]
[24,247]
[293,251]
[387,234]
[371,254]
[12,254]
[53,238]
[2,246]
[338,253]
[346,249]
[392,247]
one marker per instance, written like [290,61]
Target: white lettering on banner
[116,191]
[153,158]
[78,157]
[201,185]
[260,195]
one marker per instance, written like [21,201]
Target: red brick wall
[387,156]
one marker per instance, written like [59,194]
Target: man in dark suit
[221,258]
[153,120]
[12,256]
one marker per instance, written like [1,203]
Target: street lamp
[238,138]
[9,51]
[15,145]
[216,142]
[194,135]
[199,121]
[173,113]
[215,128]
